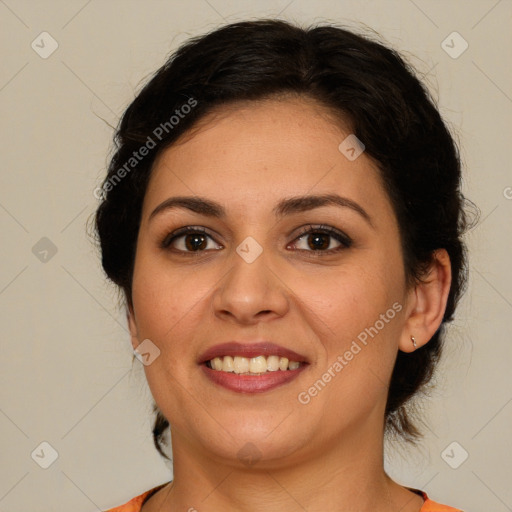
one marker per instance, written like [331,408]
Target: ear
[427,303]
[130,317]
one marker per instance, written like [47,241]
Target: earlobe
[427,303]
[130,317]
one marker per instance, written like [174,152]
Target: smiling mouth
[258,365]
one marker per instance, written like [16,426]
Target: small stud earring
[414,342]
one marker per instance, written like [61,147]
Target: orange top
[135,504]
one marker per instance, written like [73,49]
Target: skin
[324,455]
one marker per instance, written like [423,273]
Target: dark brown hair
[364,83]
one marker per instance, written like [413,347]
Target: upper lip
[263,348]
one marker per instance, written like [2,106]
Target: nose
[251,292]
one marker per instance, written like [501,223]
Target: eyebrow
[289,206]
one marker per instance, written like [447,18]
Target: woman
[283,214]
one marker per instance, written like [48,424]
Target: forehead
[251,154]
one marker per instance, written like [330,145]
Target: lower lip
[251,383]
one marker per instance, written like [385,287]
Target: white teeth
[241,364]
[217,363]
[272,363]
[253,365]
[258,364]
[228,364]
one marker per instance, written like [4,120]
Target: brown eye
[187,240]
[320,239]
[195,241]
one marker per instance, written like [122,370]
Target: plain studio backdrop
[69,69]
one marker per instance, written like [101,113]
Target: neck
[348,476]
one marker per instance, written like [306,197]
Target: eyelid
[185,230]
[342,237]
[338,235]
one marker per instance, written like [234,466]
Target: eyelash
[344,240]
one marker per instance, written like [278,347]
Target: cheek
[352,299]
[362,309]
[166,305]
[363,313]
[165,302]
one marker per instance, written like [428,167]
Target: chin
[261,445]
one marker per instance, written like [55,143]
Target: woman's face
[337,300]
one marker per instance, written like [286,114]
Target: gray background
[67,375]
